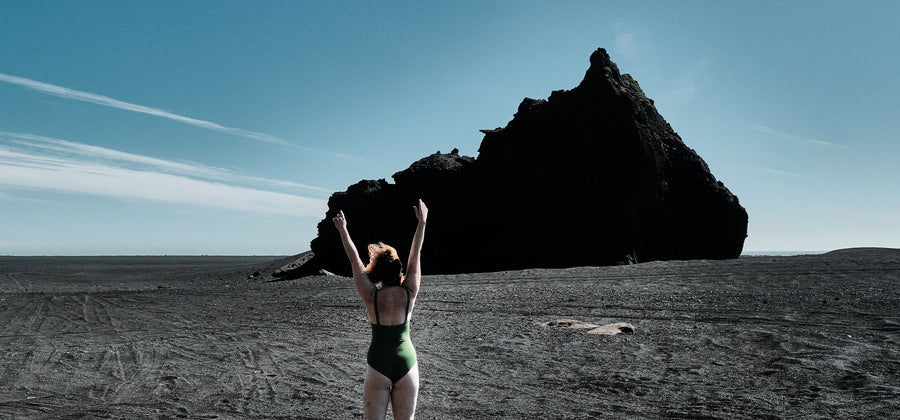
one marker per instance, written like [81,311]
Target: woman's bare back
[392,306]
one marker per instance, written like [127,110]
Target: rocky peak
[590,176]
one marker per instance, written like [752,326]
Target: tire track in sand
[15,280]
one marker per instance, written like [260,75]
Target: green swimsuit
[391,352]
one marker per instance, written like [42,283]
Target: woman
[392,375]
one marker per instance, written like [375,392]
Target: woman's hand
[421,211]
[340,223]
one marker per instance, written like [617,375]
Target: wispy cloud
[94,98]
[11,197]
[785,173]
[683,88]
[799,139]
[677,88]
[625,45]
[140,162]
[43,163]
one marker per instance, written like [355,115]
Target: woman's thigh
[376,394]
[405,393]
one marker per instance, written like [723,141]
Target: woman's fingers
[421,210]
[338,219]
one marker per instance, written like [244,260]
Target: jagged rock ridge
[590,176]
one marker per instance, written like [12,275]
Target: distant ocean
[779,253]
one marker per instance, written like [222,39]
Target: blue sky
[223,127]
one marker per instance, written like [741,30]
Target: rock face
[590,176]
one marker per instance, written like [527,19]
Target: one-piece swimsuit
[391,352]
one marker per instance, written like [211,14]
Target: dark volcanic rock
[297,268]
[590,176]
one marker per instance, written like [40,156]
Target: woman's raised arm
[413,267]
[363,285]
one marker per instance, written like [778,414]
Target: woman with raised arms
[392,375]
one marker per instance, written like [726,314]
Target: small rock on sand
[608,329]
[613,329]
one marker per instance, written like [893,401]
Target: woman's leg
[376,394]
[405,393]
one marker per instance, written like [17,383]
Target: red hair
[384,265]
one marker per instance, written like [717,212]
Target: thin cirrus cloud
[94,98]
[625,45]
[42,163]
[784,173]
[69,148]
[792,137]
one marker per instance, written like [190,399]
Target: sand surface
[194,337]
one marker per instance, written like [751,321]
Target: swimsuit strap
[377,322]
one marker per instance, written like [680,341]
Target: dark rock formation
[590,176]
[298,267]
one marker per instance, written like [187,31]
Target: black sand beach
[196,337]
